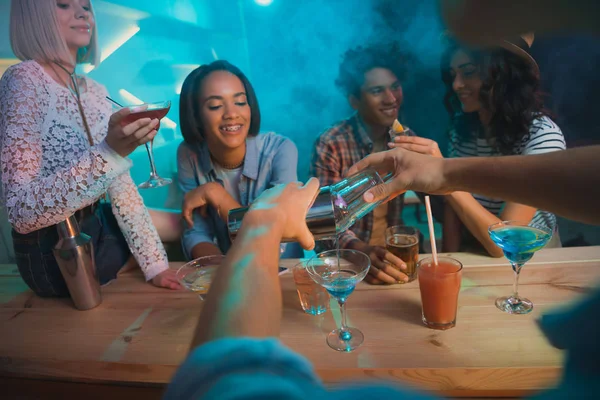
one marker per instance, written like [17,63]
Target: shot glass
[314,298]
[405,132]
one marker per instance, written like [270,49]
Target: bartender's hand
[384,265]
[410,171]
[125,139]
[287,206]
[167,279]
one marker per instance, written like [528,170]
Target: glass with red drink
[439,285]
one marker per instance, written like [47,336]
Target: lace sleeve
[33,197]
[136,224]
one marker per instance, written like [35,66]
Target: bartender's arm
[245,297]
[566,182]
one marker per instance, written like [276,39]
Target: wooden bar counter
[134,341]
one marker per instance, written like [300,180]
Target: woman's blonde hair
[35,34]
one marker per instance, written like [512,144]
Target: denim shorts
[39,269]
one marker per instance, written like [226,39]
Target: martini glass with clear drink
[197,275]
[339,272]
[519,241]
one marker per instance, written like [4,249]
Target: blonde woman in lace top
[62,150]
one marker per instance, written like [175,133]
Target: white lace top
[49,170]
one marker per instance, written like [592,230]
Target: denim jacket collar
[251,159]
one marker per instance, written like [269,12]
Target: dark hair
[189,107]
[360,60]
[510,90]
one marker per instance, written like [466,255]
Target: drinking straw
[431,231]
[116,103]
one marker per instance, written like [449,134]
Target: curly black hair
[510,90]
[358,61]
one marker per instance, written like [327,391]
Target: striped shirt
[544,137]
[335,151]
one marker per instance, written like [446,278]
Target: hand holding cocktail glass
[124,136]
[403,242]
[127,118]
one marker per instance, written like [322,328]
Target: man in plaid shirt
[370,78]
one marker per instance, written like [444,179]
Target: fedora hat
[518,45]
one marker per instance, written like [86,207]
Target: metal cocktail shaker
[320,218]
[74,254]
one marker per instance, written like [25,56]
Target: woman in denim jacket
[224,162]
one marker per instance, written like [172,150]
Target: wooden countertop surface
[140,334]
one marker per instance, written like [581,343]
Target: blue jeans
[38,267]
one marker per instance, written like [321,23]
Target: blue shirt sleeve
[285,164]
[203,229]
[576,329]
[201,232]
[244,368]
[253,369]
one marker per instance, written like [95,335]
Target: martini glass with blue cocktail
[519,241]
[339,272]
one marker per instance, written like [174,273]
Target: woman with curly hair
[496,109]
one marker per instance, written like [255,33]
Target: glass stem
[344,333]
[517,270]
[150,149]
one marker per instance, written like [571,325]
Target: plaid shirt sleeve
[326,167]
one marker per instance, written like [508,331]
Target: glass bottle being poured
[336,208]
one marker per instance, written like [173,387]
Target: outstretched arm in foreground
[566,182]
[245,297]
